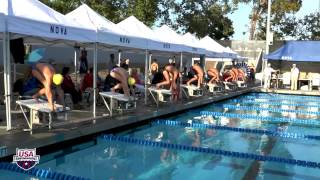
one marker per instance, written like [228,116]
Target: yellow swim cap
[57,79]
[131,81]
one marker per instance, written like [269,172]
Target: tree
[204,18]
[115,10]
[146,11]
[280,9]
[309,27]
[111,9]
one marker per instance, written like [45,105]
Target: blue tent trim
[308,51]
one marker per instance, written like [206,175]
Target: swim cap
[57,79]
[131,81]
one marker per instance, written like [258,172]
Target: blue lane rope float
[272,95]
[278,110]
[276,103]
[298,99]
[262,118]
[40,173]
[142,142]
[244,130]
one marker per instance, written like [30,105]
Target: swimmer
[45,73]
[122,76]
[171,79]
[241,75]
[214,73]
[230,75]
[198,75]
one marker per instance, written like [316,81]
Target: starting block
[241,84]
[230,86]
[215,88]
[160,95]
[36,107]
[190,91]
[117,100]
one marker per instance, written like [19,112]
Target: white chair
[286,81]
[315,80]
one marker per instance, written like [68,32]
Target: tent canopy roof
[136,28]
[107,32]
[194,42]
[297,51]
[87,17]
[33,18]
[166,33]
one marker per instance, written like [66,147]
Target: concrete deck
[85,127]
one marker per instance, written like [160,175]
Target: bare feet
[35,97]
[52,107]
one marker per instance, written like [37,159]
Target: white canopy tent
[231,53]
[166,34]
[31,19]
[192,41]
[136,28]
[108,33]
[215,49]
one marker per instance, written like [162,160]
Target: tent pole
[9,81]
[181,70]
[14,72]
[75,64]
[7,74]
[4,49]
[149,67]
[95,56]
[146,78]
[119,58]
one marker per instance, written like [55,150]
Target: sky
[240,18]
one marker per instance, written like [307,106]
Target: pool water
[103,159]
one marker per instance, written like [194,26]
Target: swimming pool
[254,136]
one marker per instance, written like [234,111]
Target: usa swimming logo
[26,158]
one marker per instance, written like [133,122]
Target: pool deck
[61,135]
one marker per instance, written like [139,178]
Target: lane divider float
[262,118]
[295,99]
[278,110]
[40,173]
[236,129]
[251,156]
[276,103]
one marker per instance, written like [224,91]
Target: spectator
[69,87]
[154,66]
[267,75]
[136,76]
[87,81]
[83,62]
[111,62]
[125,64]
[294,77]
[252,72]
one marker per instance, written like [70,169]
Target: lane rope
[262,118]
[275,103]
[294,99]
[37,172]
[275,95]
[251,156]
[278,110]
[236,129]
